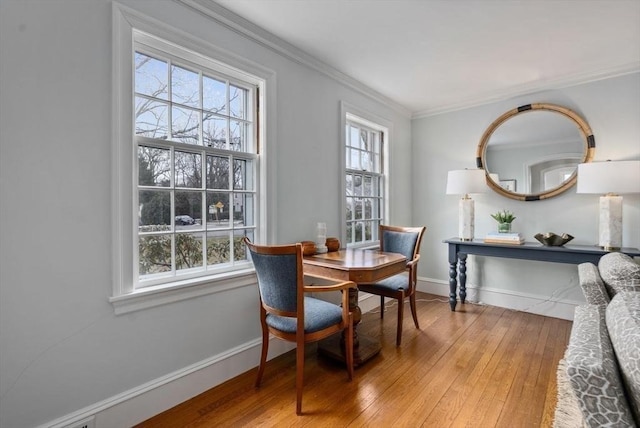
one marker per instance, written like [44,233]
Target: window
[196,156]
[364,180]
[189,163]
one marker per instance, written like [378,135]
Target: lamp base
[610,232]
[466,219]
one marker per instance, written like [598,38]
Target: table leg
[364,348]
[463,277]
[453,284]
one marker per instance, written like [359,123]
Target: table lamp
[609,179]
[464,182]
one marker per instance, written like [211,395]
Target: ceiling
[431,56]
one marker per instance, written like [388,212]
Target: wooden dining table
[359,266]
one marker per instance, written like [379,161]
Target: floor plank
[480,366]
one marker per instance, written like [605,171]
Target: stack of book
[513,238]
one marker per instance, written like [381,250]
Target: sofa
[602,360]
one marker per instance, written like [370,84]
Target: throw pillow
[619,272]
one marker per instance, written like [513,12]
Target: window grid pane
[185,125]
[151,76]
[154,166]
[214,97]
[189,251]
[217,172]
[238,102]
[155,254]
[152,118]
[185,87]
[214,131]
[188,169]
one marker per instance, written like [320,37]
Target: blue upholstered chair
[288,314]
[406,241]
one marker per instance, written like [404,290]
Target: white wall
[449,141]
[62,348]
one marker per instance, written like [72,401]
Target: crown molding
[531,87]
[253,32]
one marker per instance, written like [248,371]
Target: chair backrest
[280,276]
[402,240]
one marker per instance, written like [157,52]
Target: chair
[288,314]
[406,241]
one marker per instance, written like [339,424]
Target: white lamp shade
[609,177]
[465,181]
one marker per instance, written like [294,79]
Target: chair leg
[412,300]
[299,376]
[263,356]
[381,306]
[400,317]
[349,346]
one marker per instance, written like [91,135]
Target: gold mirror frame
[585,132]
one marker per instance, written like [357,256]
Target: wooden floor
[480,366]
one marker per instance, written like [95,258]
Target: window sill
[375,245]
[150,297]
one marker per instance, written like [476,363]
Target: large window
[364,181]
[196,156]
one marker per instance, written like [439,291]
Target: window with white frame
[364,181]
[196,154]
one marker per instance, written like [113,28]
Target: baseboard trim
[525,302]
[147,400]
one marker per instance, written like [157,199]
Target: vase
[504,227]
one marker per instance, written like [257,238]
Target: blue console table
[459,249]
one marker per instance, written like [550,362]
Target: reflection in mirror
[539,150]
[535,150]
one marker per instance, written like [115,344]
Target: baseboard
[147,400]
[525,302]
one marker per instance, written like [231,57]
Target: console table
[459,249]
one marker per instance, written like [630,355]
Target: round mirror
[532,152]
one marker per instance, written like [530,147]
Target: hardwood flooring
[480,366]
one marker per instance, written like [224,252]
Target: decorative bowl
[308,248]
[550,239]
[333,244]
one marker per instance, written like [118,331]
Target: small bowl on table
[308,248]
[550,239]
[333,244]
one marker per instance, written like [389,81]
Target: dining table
[360,266]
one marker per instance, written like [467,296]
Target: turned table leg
[453,284]
[463,277]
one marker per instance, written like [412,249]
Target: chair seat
[318,315]
[393,283]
